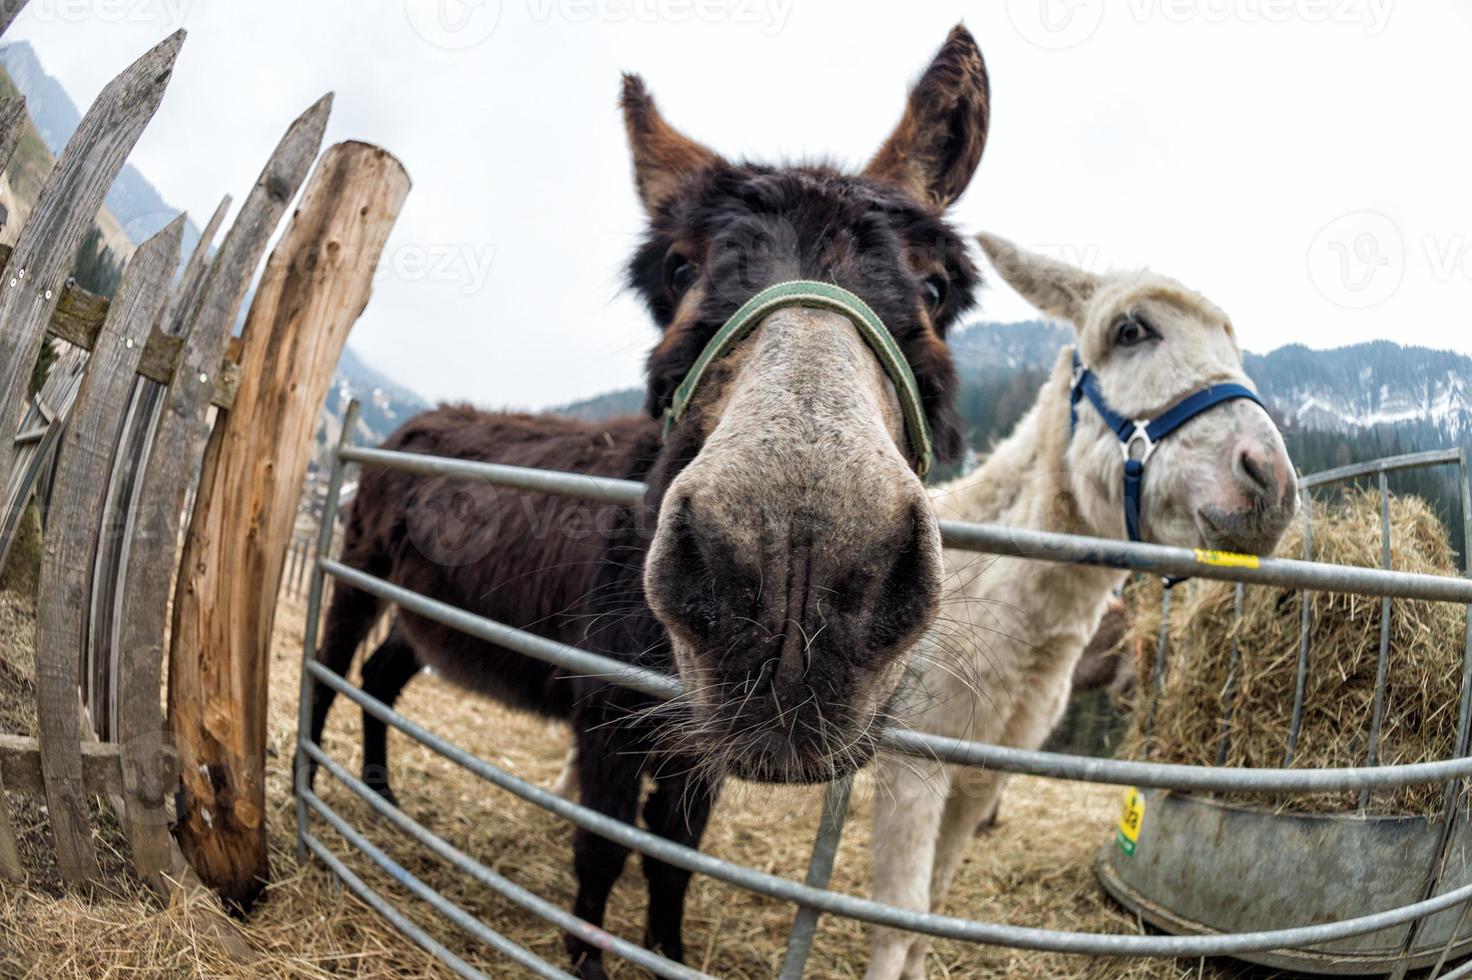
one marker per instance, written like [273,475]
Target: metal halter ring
[1141,435]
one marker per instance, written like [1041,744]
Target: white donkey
[1149,431]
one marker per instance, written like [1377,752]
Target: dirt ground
[1034,868]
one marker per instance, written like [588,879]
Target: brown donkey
[786,557]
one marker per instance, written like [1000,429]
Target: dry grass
[1424,676]
[1035,868]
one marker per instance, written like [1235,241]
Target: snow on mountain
[1365,385]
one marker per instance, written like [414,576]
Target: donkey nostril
[911,590]
[1255,473]
[686,574]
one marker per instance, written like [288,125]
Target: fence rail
[812,897]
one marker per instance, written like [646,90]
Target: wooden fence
[160,443]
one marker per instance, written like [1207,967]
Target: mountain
[624,401]
[1358,387]
[385,404]
[134,201]
[988,347]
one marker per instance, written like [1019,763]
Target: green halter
[823,295]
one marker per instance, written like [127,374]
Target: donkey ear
[934,150]
[1056,288]
[663,156]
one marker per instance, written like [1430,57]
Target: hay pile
[1424,677]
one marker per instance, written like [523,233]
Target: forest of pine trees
[97,270]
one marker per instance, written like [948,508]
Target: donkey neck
[1023,484]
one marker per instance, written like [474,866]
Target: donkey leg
[349,617]
[960,807]
[385,675]
[973,793]
[609,782]
[906,827]
[678,810]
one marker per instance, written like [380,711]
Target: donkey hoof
[381,787]
[589,968]
[672,951]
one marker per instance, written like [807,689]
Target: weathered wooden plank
[182,422]
[178,884]
[8,10]
[79,314]
[184,296]
[12,125]
[20,766]
[65,208]
[86,454]
[317,282]
[115,524]
[139,724]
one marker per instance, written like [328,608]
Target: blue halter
[1146,432]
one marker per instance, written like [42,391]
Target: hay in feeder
[1200,690]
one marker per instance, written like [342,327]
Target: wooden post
[180,436]
[86,453]
[102,657]
[316,283]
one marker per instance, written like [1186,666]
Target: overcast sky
[1305,165]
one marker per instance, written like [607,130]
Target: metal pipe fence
[811,897]
[1451,810]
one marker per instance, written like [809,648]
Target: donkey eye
[679,273]
[936,287]
[1133,331]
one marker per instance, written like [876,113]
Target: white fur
[997,667]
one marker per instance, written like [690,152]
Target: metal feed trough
[1263,866]
[1434,913]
